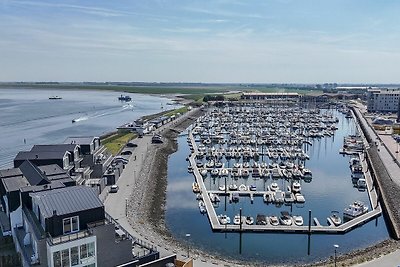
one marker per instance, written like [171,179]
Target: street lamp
[188,236]
[336,247]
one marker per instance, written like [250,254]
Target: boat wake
[98,115]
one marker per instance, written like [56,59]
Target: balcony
[67,238]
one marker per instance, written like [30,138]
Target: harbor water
[29,117]
[331,189]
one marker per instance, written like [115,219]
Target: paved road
[115,203]
[389,260]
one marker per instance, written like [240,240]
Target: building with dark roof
[39,158]
[88,144]
[69,227]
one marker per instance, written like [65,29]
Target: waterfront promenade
[117,204]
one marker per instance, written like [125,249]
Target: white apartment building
[383,100]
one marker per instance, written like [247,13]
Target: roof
[52,169]
[33,174]
[80,140]
[38,188]
[67,200]
[269,94]
[49,148]
[14,183]
[10,173]
[40,155]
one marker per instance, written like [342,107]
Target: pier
[313,227]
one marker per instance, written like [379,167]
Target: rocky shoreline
[147,208]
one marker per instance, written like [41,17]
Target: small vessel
[285,218]
[125,98]
[221,188]
[214,172]
[361,184]
[202,207]
[237,220]
[261,219]
[253,187]
[299,198]
[203,172]
[274,220]
[249,220]
[296,187]
[355,209]
[199,196]
[279,197]
[298,220]
[214,198]
[224,219]
[242,187]
[268,197]
[274,187]
[235,197]
[289,198]
[334,218]
[195,188]
[233,187]
[56,97]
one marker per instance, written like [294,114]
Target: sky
[226,41]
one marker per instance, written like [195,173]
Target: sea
[29,117]
[330,189]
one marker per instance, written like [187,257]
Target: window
[74,256]
[71,224]
[57,259]
[65,258]
[84,251]
[87,250]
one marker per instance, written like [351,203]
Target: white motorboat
[285,218]
[214,172]
[355,209]
[298,220]
[221,188]
[242,187]
[249,220]
[288,198]
[203,172]
[253,187]
[274,220]
[195,188]
[274,187]
[224,219]
[233,187]
[235,197]
[199,196]
[224,172]
[202,207]
[334,218]
[296,187]
[299,198]
[279,197]
[237,220]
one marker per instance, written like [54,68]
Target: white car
[114,188]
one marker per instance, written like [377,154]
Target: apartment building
[383,100]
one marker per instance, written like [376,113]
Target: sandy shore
[147,206]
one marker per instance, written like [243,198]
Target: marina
[314,227]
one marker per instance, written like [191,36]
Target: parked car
[126,152]
[131,145]
[114,188]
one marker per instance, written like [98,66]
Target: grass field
[115,142]
[194,92]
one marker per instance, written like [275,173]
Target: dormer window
[71,225]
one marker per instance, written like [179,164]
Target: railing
[135,240]
[67,238]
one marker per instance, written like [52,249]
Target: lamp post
[336,247]
[187,237]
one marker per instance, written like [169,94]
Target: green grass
[178,110]
[115,142]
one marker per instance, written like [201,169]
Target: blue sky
[310,41]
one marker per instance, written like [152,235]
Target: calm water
[330,189]
[29,114]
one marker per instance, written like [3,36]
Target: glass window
[75,224]
[71,224]
[74,256]
[57,259]
[67,225]
[84,251]
[91,249]
[65,257]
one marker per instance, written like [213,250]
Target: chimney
[54,213]
[37,156]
